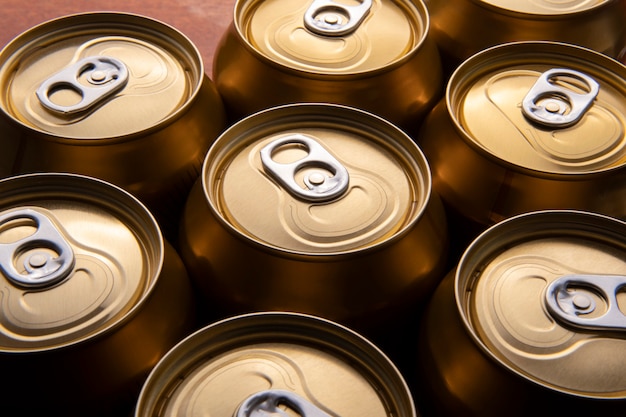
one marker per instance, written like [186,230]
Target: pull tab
[570,299]
[553,105]
[104,76]
[266,403]
[321,186]
[330,18]
[47,257]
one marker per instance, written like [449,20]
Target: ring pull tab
[46,256]
[267,403]
[327,180]
[330,18]
[554,105]
[103,77]
[572,300]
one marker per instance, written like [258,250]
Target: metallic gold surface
[490,318]
[508,314]
[213,371]
[490,161]
[276,29]
[386,191]
[388,65]
[546,7]
[595,143]
[106,283]
[89,339]
[149,136]
[159,84]
[386,235]
[462,28]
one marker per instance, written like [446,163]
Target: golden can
[372,54]
[461,28]
[316,208]
[115,96]
[91,296]
[530,126]
[275,363]
[531,322]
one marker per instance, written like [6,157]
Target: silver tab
[331,18]
[570,299]
[266,403]
[320,186]
[553,105]
[104,76]
[46,256]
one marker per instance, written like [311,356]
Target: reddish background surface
[202,21]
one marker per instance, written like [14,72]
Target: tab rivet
[317,178]
[553,106]
[581,302]
[331,19]
[98,76]
[37,260]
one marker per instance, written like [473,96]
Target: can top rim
[275,326]
[112,197]
[308,111]
[500,57]
[422,13]
[519,229]
[21,42]
[556,15]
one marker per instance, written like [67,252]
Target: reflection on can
[316,208]
[115,96]
[462,28]
[275,364]
[372,54]
[530,126]
[533,316]
[91,296]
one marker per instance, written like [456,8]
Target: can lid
[277,362]
[77,255]
[316,179]
[332,36]
[545,7]
[544,294]
[543,106]
[98,75]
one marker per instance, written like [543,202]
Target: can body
[277,363]
[354,252]
[530,126]
[386,63]
[535,308]
[115,96]
[462,28]
[92,296]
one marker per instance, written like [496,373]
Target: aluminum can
[531,321]
[461,28]
[530,126]
[316,208]
[372,54]
[275,363]
[91,296]
[115,96]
